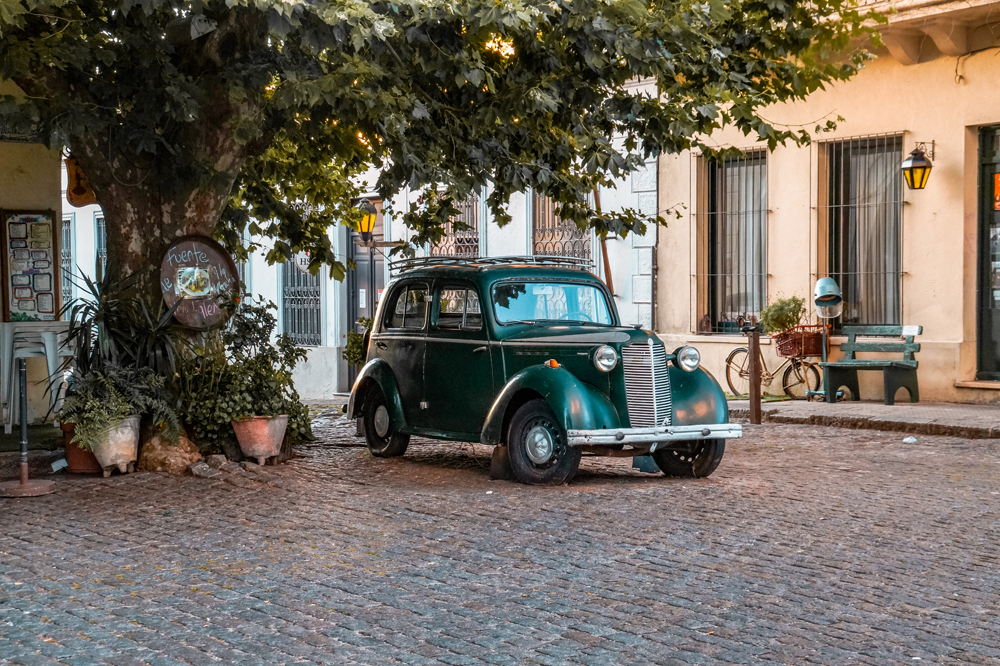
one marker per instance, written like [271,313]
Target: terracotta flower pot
[78,460]
[260,437]
[119,447]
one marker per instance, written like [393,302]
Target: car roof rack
[481,262]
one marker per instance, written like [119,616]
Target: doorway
[988,291]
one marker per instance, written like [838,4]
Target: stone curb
[866,423]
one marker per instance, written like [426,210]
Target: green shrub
[247,376]
[781,315]
[354,351]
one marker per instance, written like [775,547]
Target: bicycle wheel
[800,377]
[738,372]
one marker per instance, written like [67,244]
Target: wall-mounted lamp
[917,166]
[368,221]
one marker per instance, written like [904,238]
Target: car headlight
[687,358]
[605,358]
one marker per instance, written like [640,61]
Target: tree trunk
[151,201]
[147,209]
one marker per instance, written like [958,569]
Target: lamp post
[829,304]
[366,228]
[917,167]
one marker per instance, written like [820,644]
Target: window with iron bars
[461,243]
[102,248]
[554,237]
[863,215]
[732,241]
[66,256]
[301,306]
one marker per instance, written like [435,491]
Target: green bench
[895,373]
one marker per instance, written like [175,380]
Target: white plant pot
[119,447]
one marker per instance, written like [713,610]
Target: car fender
[697,398]
[577,405]
[379,372]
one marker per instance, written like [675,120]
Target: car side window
[409,311]
[459,309]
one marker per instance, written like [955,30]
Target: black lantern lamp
[368,221]
[917,167]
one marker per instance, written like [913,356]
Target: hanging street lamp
[366,227]
[368,221]
[917,167]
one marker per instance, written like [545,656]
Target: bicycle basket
[800,341]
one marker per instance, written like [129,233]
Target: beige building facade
[766,226]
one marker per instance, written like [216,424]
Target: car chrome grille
[647,384]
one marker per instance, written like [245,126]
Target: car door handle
[479,349]
[381,345]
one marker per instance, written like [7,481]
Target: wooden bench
[895,373]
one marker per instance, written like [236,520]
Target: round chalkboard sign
[200,273]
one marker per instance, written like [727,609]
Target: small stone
[201,470]
[217,460]
[250,466]
[159,454]
[230,467]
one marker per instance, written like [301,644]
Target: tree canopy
[201,116]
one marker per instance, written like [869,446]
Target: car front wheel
[690,459]
[382,440]
[539,453]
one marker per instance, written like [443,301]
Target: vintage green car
[529,353]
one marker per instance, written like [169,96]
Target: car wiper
[521,321]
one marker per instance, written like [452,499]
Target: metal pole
[22,373]
[754,334]
[371,284]
[25,487]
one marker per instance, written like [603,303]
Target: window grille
[863,216]
[301,306]
[67,259]
[102,248]
[462,243]
[554,237]
[732,266]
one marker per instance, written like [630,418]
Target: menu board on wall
[30,253]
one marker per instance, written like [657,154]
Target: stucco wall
[924,102]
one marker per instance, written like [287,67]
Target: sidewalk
[922,418]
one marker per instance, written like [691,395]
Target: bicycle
[799,377]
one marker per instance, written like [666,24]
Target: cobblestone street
[808,545]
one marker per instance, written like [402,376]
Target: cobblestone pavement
[809,545]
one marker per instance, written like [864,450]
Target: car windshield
[529,302]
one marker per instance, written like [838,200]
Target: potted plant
[105,407]
[123,356]
[247,385]
[782,321]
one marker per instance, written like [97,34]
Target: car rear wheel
[690,459]
[537,446]
[382,440]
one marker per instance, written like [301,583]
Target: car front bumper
[653,436]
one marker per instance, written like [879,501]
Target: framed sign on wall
[31,251]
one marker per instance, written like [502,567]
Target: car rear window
[409,310]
